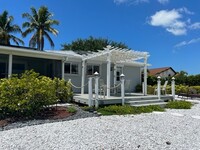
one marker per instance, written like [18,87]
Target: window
[71,68]
[91,69]
[118,73]
[18,68]
[2,70]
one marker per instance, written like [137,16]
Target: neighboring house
[110,63]
[162,72]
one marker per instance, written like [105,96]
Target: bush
[179,105]
[88,108]
[27,95]
[126,109]
[71,109]
[63,90]
[150,89]
[138,88]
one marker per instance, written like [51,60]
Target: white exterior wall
[131,73]
[134,75]
[167,73]
[75,78]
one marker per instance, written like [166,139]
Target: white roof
[116,55]
[68,53]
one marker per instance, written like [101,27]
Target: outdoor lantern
[173,78]
[122,76]
[158,78]
[96,74]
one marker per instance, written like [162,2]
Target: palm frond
[28,31]
[33,40]
[16,40]
[52,30]
[49,39]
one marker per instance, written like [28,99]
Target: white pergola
[116,56]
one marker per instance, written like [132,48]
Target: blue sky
[168,29]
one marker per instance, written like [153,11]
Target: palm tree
[7,28]
[40,24]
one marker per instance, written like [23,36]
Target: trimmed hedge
[179,105]
[26,96]
[126,109]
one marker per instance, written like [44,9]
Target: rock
[168,143]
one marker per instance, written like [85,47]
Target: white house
[110,63]
[163,72]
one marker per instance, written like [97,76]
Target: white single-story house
[110,63]
[163,72]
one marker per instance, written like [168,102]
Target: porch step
[147,98]
[162,104]
[134,102]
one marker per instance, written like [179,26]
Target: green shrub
[179,105]
[63,90]
[150,89]
[126,109]
[88,108]
[138,88]
[27,95]
[71,109]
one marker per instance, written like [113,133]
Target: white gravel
[171,130]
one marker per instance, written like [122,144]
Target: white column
[173,88]
[96,89]
[115,77]
[90,92]
[83,77]
[122,88]
[63,69]
[10,61]
[158,87]
[108,74]
[143,87]
[145,75]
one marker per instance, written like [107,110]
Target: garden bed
[52,113]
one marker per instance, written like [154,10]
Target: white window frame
[70,73]
[92,69]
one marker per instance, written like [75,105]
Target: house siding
[167,73]
[134,75]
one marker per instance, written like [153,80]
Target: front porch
[133,99]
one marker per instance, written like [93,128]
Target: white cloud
[120,1]
[163,1]
[195,25]
[170,20]
[185,43]
[135,2]
[185,10]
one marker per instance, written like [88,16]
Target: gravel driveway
[173,129]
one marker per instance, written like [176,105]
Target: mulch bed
[52,113]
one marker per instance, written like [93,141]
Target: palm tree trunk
[41,39]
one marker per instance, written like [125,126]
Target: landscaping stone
[78,115]
[145,131]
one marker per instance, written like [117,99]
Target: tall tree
[7,28]
[91,44]
[40,24]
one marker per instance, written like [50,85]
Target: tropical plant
[91,44]
[29,94]
[7,28]
[40,24]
